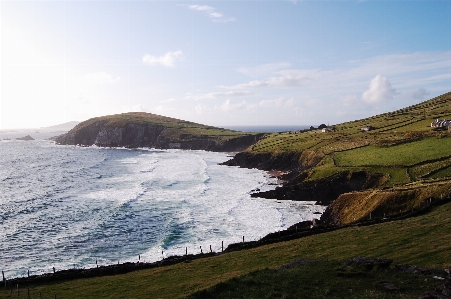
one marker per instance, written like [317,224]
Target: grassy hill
[139,129]
[175,128]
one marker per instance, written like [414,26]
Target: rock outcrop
[25,138]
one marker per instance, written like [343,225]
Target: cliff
[134,130]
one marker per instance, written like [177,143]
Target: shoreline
[300,230]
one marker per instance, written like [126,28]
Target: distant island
[25,138]
[139,129]
[61,127]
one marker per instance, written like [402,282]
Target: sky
[220,63]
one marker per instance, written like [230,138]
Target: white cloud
[162,110]
[380,90]
[293,78]
[210,12]
[167,59]
[200,109]
[170,100]
[98,78]
[134,108]
[349,100]
[276,103]
[252,84]
[415,95]
[263,70]
[283,79]
[216,95]
[229,106]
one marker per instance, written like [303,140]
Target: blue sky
[220,63]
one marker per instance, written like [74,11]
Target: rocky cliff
[134,130]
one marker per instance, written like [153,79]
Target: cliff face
[326,190]
[132,135]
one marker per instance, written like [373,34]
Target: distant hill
[139,129]
[61,127]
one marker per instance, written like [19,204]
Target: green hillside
[401,149]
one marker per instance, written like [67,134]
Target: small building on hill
[366,128]
[440,124]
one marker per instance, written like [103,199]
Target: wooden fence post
[222,246]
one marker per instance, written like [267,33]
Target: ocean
[68,206]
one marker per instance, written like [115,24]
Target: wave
[66,205]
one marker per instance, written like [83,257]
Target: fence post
[211,249]
[243,239]
[186,250]
[222,246]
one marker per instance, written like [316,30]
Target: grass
[404,154]
[421,241]
[309,280]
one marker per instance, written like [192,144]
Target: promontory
[139,129]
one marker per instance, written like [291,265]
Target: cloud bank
[210,12]
[167,60]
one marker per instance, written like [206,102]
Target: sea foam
[66,206]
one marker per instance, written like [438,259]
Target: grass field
[421,241]
[321,279]
[404,154]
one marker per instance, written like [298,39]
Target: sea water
[68,206]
